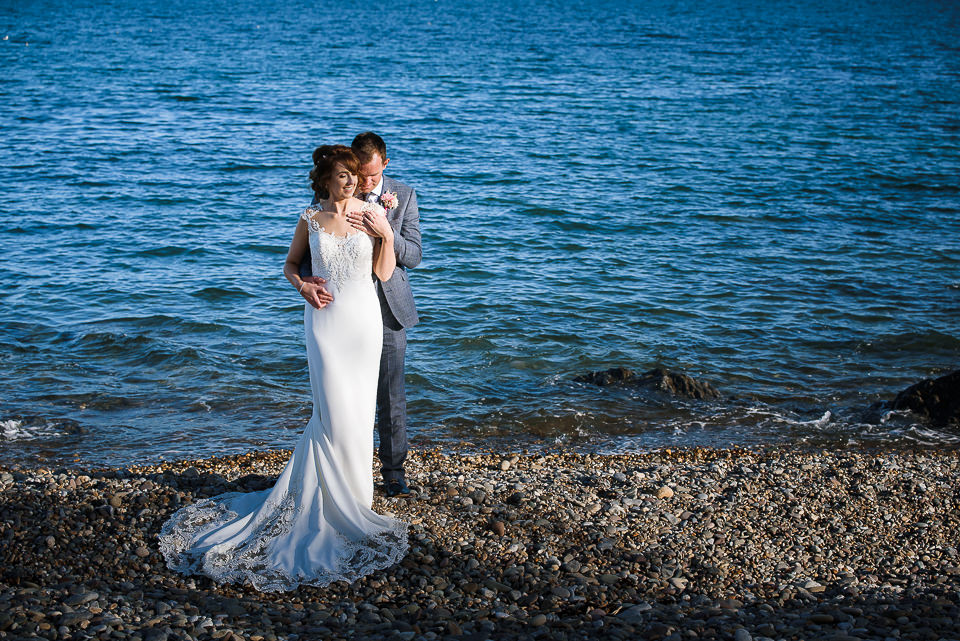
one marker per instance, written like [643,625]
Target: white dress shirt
[378,190]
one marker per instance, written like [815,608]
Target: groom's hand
[355,219]
[315,292]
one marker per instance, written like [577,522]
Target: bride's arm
[384,257]
[311,287]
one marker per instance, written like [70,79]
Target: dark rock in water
[678,384]
[935,399]
[656,379]
[613,376]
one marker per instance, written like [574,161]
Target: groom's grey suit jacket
[405,221]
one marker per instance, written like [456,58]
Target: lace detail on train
[251,557]
[316,524]
[338,259]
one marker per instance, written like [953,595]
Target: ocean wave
[118,342]
[274,250]
[222,293]
[126,348]
[249,167]
[171,250]
[180,325]
[31,429]
[93,183]
[928,342]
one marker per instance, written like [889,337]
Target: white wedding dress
[315,525]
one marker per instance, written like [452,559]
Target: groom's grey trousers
[391,395]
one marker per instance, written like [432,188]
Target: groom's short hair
[367,144]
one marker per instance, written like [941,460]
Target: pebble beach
[672,544]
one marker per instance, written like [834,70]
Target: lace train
[248,559]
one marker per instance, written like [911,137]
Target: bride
[315,525]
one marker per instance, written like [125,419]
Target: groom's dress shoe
[397,487]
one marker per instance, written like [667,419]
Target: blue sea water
[763,195]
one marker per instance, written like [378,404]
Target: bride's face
[342,183]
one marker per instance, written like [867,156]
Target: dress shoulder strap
[308,214]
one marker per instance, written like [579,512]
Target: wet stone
[155,634]
[813,586]
[71,619]
[81,598]
[560,592]
[571,566]
[634,613]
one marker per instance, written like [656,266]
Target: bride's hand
[373,223]
[355,220]
[315,293]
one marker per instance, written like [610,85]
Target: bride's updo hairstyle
[325,158]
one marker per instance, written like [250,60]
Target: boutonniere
[389,200]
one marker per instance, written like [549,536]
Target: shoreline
[675,543]
[469,448]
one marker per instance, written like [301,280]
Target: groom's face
[371,172]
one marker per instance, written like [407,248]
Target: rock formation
[657,379]
[937,400]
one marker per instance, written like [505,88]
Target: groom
[396,302]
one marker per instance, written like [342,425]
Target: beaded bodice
[339,259]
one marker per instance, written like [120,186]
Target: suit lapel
[387,184]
